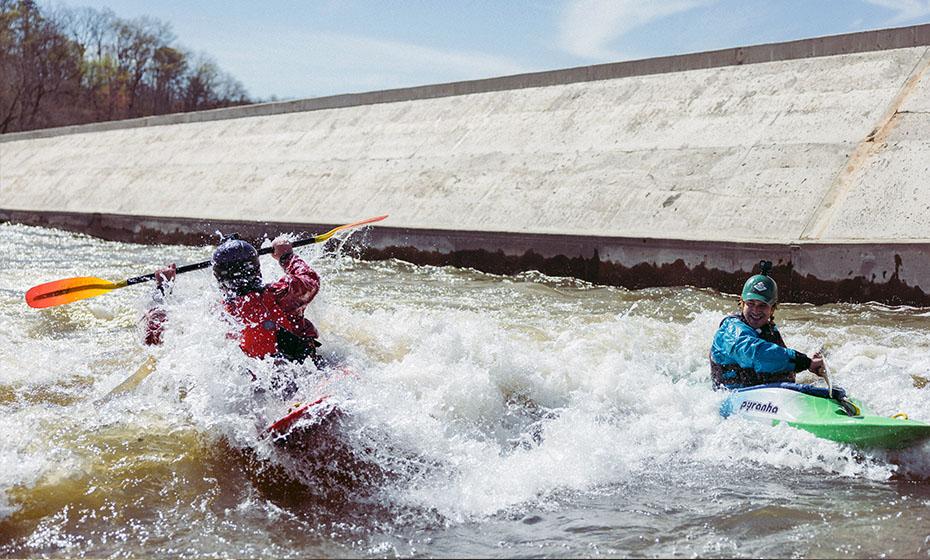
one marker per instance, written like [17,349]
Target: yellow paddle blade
[64,291]
[132,381]
[330,233]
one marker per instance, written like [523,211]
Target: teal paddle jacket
[742,356]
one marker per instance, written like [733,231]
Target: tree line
[61,66]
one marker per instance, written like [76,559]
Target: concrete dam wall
[674,171]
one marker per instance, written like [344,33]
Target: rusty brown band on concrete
[863,41]
[810,272]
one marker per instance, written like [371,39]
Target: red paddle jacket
[264,314]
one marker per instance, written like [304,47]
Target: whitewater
[481,415]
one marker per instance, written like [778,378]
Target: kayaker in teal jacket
[748,349]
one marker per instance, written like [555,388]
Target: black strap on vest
[296,348]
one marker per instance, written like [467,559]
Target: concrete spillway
[674,171]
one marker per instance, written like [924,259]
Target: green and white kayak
[836,417]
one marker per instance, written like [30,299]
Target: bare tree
[200,88]
[168,72]
[68,66]
[10,85]
[136,43]
[40,64]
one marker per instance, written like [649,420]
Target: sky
[296,49]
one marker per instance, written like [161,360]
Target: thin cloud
[325,63]
[408,59]
[906,10]
[589,26]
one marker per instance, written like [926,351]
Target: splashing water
[481,416]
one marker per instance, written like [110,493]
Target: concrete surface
[659,178]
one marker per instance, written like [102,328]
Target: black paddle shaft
[207,264]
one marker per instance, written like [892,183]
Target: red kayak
[296,412]
[300,410]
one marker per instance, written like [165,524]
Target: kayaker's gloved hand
[282,250]
[154,318]
[818,367]
[164,278]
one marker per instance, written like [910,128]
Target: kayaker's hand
[281,247]
[817,366]
[165,275]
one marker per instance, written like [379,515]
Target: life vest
[268,330]
[733,374]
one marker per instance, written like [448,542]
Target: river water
[488,416]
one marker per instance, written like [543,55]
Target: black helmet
[236,267]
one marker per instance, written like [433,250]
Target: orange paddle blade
[67,290]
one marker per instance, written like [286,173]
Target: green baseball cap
[762,288]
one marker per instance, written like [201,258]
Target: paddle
[826,370]
[68,290]
[851,408]
[132,381]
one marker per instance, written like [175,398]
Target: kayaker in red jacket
[271,315]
